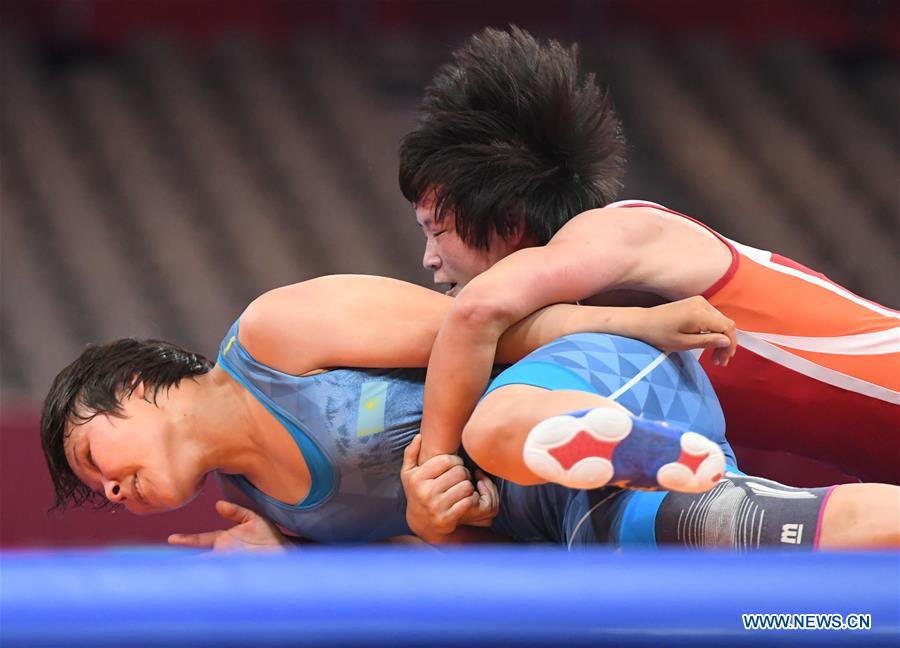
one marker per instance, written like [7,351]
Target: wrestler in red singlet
[818,373]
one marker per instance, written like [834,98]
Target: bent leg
[530,435]
[495,435]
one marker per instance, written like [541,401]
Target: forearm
[556,321]
[458,372]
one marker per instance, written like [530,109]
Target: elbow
[484,310]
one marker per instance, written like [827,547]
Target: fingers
[411,454]
[201,540]
[234,512]
[442,514]
[437,466]
[711,318]
[487,489]
[714,321]
[451,477]
[718,323]
[707,341]
[722,337]
[441,502]
[721,357]
[459,511]
[485,503]
[436,504]
[730,332]
[716,332]
[720,345]
[458,491]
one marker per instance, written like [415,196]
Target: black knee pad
[742,513]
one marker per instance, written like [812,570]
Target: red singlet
[818,371]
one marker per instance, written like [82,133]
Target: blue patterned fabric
[351,426]
[647,382]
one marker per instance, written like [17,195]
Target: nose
[113,491]
[431,260]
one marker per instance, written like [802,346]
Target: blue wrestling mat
[464,597]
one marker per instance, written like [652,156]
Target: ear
[138,390]
[520,237]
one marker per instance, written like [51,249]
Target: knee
[489,445]
[479,437]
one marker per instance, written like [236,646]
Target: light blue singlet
[352,425]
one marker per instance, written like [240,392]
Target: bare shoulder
[619,224]
[340,320]
[661,252]
[275,327]
[638,225]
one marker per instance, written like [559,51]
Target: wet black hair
[96,383]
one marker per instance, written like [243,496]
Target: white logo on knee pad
[792,533]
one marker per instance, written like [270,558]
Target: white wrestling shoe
[602,446]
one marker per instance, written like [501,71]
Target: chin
[174,499]
[189,497]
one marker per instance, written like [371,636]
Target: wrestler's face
[454,263]
[133,458]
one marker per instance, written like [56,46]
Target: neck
[239,436]
[218,415]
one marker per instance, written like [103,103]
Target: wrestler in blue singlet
[352,426]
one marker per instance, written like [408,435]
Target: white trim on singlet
[760,256]
[629,203]
[653,364]
[766,260]
[805,367]
[878,343]
[584,519]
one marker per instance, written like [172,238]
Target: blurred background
[162,162]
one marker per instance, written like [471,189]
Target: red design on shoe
[692,461]
[580,446]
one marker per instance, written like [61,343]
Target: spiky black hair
[512,128]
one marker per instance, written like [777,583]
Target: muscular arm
[366,321]
[597,251]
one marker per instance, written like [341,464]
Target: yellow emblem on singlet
[370,415]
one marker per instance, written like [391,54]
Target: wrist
[628,321]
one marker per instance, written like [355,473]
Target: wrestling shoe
[601,446]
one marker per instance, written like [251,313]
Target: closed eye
[90,462]
[93,473]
